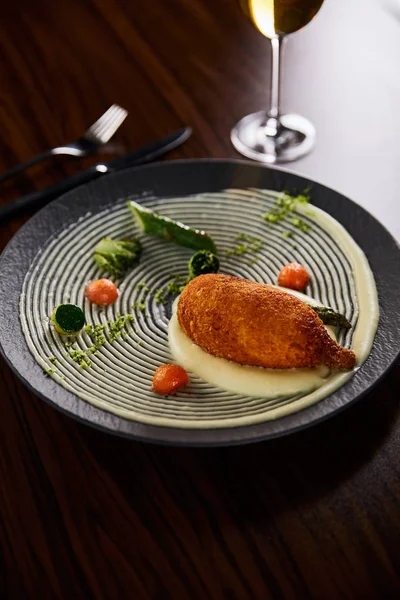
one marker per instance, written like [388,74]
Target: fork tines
[105,127]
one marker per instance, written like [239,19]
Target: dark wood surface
[86,515]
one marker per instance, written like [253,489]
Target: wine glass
[269,136]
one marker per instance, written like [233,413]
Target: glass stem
[274,110]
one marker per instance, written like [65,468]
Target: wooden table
[87,515]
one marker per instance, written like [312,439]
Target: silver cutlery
[96,136]
[145,154]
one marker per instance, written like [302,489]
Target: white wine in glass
[269,136]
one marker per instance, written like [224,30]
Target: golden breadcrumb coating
[256,324]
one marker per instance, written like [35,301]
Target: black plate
[180,178]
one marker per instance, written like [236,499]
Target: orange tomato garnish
[168,378]
[101,291]
[293,276]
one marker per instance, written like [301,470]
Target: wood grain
[86,515]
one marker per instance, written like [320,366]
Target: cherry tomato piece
[101,291]
[293,276]
[168,378]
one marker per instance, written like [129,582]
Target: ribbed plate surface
[119,379]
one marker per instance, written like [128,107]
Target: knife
[138,157]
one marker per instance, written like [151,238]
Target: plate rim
[204,433]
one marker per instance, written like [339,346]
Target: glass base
[273,141]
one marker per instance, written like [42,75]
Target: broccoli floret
[203,262]
[117,256]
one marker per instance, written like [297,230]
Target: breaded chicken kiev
[256,324]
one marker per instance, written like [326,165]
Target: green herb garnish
[237,250]
[251,244]
[285,206]
[100,335]
[176,285]
[96,333]
[81,358]
[139,305]
[300,224]
[117,328]
[159,297]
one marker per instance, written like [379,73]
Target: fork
[97,135]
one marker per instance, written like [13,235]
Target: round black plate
[180,178]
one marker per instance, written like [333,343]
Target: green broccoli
[202,262]
[117,256]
